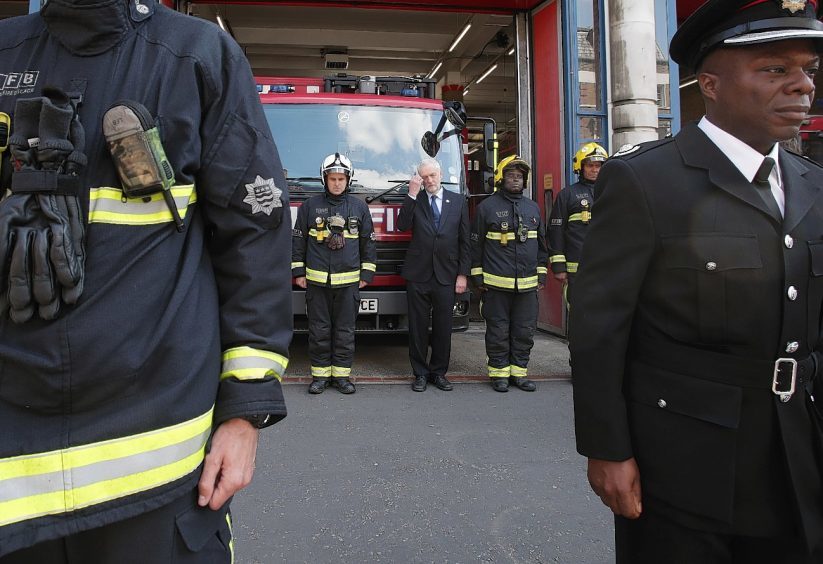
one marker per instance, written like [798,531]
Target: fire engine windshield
[382,142]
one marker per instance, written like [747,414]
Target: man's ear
[708,83]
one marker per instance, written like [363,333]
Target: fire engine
[385,125]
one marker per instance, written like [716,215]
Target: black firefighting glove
[336,239]
[41,225]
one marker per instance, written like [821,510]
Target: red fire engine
[379,123]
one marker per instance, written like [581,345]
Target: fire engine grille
[390,257]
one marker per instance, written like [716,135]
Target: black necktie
[764,188]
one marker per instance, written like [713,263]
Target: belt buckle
[785,395]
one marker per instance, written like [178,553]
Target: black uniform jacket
[312,258]
[508,244]
[443,252]
[688,292]
[568,225]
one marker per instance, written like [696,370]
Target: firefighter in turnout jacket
[509,264]
[333,256]
[572,212]
[146,310]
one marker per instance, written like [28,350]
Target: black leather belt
[782,376]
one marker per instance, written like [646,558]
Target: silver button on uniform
[788,241]
[661,403]
[792,346]
[711,266]
[792,293]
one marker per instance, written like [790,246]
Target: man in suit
[695,337]
[435,269]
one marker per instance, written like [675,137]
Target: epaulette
[806,159]
[629,151]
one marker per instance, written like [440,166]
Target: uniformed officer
[572,212]
[509,264]
[142,338]
[333,256]
[695,332]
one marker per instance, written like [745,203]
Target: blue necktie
[435,212]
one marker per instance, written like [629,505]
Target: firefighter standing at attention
[572,212]
[509,264]
[145,304]
[333,256]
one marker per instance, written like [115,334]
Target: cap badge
[794,5]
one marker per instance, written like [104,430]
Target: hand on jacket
[229,465]
[618,485]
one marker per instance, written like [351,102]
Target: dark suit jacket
[681,307]
[444,252]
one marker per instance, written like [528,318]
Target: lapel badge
[793,6]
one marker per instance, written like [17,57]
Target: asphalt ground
[390,475]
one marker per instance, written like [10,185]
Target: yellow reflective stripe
[499,281]
[231,537]
[477,271]
[318,276]
[339,278]
[577,217]
[247,363]
[532,234]
[368,266]
[348,235]
[526,283]
[65,480]
[323,233]
[340,372]
[509,236]
[498,372]
[298,264]
[542,270]
[557,258]
[321,371]
[572,267]
[106,206]
[518,372]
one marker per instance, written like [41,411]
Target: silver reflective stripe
[106,205]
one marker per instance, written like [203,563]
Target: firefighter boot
[344,385]
[318,385]
[523,383]
[500,384]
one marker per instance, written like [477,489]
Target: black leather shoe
[500,384]
[344,385]
[442,383]
[419,384]
[318,385]
[523,383]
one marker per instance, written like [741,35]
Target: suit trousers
[332,314]
[511,320]
[653,539]
[178,533]
[436,301]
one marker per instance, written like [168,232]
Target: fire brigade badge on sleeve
[263,195]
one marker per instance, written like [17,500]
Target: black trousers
[511,320]
[332,315]
[654,539]
[177,533]
[436,300]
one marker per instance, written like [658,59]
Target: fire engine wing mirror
[455,113]
[430,144]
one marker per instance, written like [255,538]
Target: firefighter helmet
[337,163]
[510,162]
[589,151]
